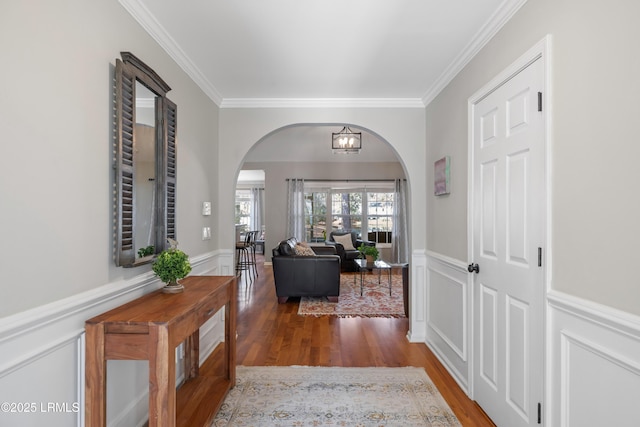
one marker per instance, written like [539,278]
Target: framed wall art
[441,176]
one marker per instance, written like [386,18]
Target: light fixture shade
[346,141]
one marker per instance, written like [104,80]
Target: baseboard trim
[459,378]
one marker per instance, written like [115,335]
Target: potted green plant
[172,265]
[369,252]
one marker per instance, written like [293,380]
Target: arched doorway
[304,151]
[243,131]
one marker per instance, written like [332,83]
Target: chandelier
[346,141]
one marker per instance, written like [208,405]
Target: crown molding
[482,37]
[145,18]
[322,103]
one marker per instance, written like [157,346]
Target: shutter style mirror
[145,163]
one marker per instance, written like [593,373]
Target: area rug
[375,301]
[325,396]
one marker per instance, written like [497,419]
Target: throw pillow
[345,241]
[303,250]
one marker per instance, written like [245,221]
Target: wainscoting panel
[448,315]
[417,297]
[226,265]
[52,396]
[42,357]
[594,375]
[211,334]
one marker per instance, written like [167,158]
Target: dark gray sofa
[347,256]
[305,276]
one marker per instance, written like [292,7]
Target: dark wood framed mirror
[145,163]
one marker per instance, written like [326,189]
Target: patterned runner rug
[375,301]
[324,396]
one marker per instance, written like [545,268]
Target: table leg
[95,376]
[192,355]
[230,328]
[389,282]
[162,378]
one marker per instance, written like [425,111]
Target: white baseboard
[43,354]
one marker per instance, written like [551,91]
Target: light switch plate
[206,208]
[206,233]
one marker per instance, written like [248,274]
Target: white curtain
[257,209]
[400,234]
[295,209]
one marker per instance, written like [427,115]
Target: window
[380,217]
[315,214]
[369,212]
[243,208]
[346,211]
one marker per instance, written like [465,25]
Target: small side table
[362,266]
[150,328]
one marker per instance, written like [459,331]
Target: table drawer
[210,307]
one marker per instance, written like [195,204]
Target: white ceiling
[393,51]
[388,53]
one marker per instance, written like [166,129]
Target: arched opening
[304,151]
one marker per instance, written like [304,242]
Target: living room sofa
[316,274]
[349,253]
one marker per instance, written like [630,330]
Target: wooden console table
[150,328]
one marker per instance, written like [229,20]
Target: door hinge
[539,257]
[539,413]
[539,101]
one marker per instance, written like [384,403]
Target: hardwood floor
[272,334]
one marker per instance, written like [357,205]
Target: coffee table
[362,266]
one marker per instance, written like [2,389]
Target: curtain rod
[346,180]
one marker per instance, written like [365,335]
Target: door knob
[473,267]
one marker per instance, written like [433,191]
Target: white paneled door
[508,234]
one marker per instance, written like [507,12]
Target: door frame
[540,51]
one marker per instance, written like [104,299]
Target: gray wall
[56,108]
[55,114]
[593,147]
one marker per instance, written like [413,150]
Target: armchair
[340,240]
